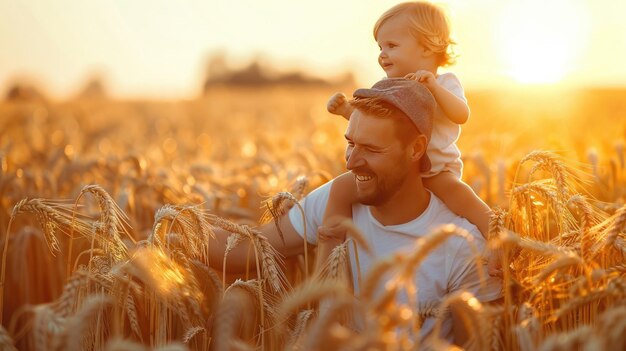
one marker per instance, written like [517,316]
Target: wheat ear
[618,226]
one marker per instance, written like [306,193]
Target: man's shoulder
[319,194]
[443,215]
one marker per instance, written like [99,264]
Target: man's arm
[237,258]
[313,205]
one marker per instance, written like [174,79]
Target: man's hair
[428,24]
[405,130]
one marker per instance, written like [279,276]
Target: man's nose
[354,159]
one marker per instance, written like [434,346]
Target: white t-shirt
[449,268]
[442,149]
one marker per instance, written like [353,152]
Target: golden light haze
[160,48]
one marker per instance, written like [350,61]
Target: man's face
[377,158]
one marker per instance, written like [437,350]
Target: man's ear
[420,143]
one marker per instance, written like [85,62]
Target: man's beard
[384,189]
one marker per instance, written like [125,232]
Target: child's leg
[342,196]
[339,207]
[460,199]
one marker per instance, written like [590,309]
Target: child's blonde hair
[428,24]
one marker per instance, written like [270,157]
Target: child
[414,41]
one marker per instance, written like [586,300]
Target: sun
[540,41]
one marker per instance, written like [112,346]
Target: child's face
[400,53]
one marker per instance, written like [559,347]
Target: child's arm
[460,199]
[338,208]
[338,105]
[453,107]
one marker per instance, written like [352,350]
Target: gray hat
[411,98]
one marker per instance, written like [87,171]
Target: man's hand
[338,105]
[329,238]
[494,263]
[425,77]
[334,233]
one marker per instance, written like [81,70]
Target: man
[387,137]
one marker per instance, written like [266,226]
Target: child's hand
[425,77]
[338,105]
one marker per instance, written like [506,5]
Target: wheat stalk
[586,223]
[192,332]
[52,216]
[466,306]
[612,327]
[76,333]
[551,162]
[230,314]
[6,342]
[618,226]
[117,344]
[113,222]
[309,291]
[264,251]
[570,340]
[297,333]
[561,262]
[335,267]
[376,273]
[319,336]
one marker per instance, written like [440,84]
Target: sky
[160,48]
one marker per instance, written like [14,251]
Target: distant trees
[22,91]
[255,75]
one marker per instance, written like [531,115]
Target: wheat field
[108,209]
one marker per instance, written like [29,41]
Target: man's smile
[362,178]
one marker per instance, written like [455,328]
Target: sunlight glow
[162,49]
[541,41]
